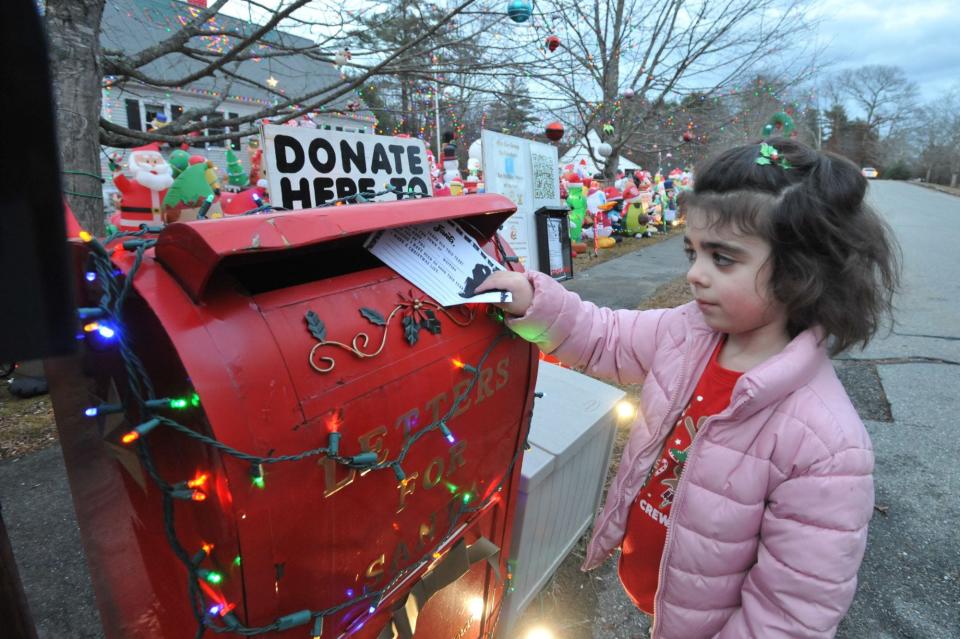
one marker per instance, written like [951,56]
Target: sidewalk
[625,281]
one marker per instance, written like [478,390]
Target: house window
[175,111]
[133,115]
[215,130]
[150,113]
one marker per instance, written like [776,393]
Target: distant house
[134,25]
[580,151]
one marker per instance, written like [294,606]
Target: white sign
[527,173]
[309,167]
[439,258]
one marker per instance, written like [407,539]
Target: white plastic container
[571,437]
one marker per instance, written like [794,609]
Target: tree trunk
[953,181]
[611,91]
[73,27]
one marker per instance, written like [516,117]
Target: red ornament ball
[687,136]
[552,43]
[554,131]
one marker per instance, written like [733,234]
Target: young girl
[742,499]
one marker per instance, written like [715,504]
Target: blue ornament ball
[519,10]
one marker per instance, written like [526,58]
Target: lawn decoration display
[143,187]
[578,206]
[269,433]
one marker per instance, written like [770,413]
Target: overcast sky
[921,36]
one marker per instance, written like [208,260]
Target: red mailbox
[309,444]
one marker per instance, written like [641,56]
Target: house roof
[134,25]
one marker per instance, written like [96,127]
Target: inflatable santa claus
[143,187]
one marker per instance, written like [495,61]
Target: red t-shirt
[646,530]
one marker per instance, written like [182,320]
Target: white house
[133,25]
[580,151]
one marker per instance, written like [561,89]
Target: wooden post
[14,612]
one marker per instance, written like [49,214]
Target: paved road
[910,581]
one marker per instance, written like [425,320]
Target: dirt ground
[26,425]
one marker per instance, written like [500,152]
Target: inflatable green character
[578,208]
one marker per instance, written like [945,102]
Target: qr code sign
[545,184]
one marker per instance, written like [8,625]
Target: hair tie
[770,155]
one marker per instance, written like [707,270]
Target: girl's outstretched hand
[513,282]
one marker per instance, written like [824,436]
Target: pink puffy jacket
[769,522]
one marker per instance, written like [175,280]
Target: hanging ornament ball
[608,129]
[554,131]
[605,150]
[687,136]
[628,93]
[552,43]
[519,10]
[767,130]
[475,152]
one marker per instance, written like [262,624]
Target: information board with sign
[310,167]
[528,173]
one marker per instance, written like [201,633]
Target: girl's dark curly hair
[835,262]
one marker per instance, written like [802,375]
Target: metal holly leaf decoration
[316,327]
[418,314]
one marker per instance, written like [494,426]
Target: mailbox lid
[192,251]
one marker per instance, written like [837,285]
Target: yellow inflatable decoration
[606,242]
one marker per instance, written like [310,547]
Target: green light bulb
[258,482]
[211,576]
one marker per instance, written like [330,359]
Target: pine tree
[512,112]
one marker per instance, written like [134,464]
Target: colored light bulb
[90,412]
[86,237]
[446,432]
[256,475]
[210,576]
[178,403]
[106,332]
[90,276]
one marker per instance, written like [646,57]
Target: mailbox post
[285,437]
